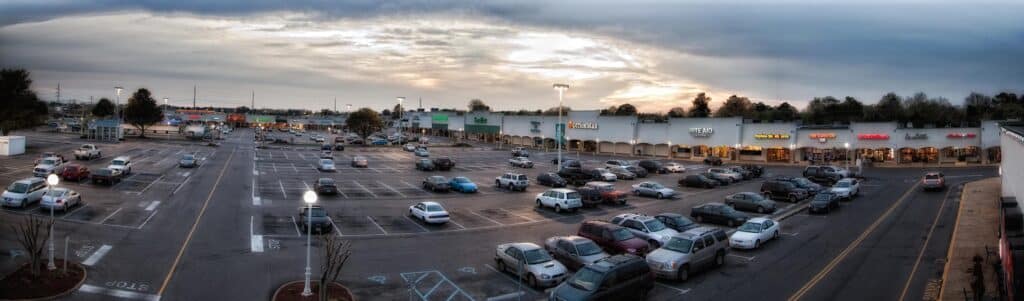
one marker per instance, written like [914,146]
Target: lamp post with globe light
[51,180]
[560,127]
[846,157]
[309,197]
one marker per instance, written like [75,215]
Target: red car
[594,193]
[74,172]
[614,239]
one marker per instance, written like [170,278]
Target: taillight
[60,201]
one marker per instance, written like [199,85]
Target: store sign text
[534,126]
[873,136]
[918,136]
[582,125]
[822,137]
[771,136]
[701,132]
[961,135]
[480,120]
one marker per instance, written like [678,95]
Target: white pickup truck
[88,152]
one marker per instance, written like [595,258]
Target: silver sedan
[654,189]
[60,199]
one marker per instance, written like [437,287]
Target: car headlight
[545,276]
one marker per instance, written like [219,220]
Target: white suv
[646,227]
[512,181]
[560,199]
[122,164]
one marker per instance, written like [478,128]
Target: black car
[824,202]
[638,171]
[575,176]
[326,147]
[783,190]
[444,163]
[326,186]
[758,170]
[676,221]
[620,277]
[698,181]
[567,163]
[339,147]
[315,220]
[550,179]
[803,183]
[721,178]
[713,161]
[824,174]
[105,176]
[652,166]
[436,183]
[718,213]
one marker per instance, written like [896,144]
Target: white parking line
[457,224]
[751,258]
[364,188]
[378,225]
[256,201]
[282,189]
[680,290]
[147,219]
[96,256]
[297,231]
[274,165]
[88,288]
[255,240]
[294,168]
[73,211]
[285,155]
[410,185]
[111,215]
[392,189]
[417,223]
[486,218]
[376,170]
[336,229]
[152,205]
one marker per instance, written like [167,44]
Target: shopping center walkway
[976,233]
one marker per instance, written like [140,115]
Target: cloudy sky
[654,54]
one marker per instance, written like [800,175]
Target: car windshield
[117,162]
[588,248]
[188,157]
[843,184]
[679,244]
[103,172]
[621,234]
[326,161]
[931,177]
[49,161]
[18,187]
[536,256]
[317,212]
[654,225]
[434,208]
[57,192]
[750,227]
[460,180]
[586,279]
[572,195]
[683,222]
[326,181]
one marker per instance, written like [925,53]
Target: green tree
[242,110]
[142,111]
[398,111]
[364,122]
[701,106]
[735,106]
[609,111]
[478,105]
[625,110]
[103,109]
[553,111]
[20,107]
[676,112]
[785,112]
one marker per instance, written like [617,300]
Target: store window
[701,151]
[995,154]
[722,151]
[778,154]
[875,155]
[751,150]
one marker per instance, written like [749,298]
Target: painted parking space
[397,224]
[282,226]
[501,216]
[433,285]
[357,225]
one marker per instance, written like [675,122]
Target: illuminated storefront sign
[961,135]
[822,137]
[582,125]
[918,136]
[701,132]
[873,136]
[771,136]
[480,120]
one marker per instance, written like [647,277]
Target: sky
[652,54]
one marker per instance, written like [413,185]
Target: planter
[292,291]
[48,286]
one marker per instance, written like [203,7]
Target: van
[23,192]
[619,277]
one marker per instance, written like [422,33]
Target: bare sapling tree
[335,252]
[33,234]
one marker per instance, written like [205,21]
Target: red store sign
[873,136]
[961,135]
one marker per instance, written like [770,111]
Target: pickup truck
[825,174]
[47,166]
[88,152]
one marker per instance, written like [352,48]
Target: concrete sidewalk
[976,234]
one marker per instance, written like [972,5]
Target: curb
[85,275]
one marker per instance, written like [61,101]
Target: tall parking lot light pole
[561,90]
[309,197]
[117,106]
[51,180]
[847,157]
[400,112]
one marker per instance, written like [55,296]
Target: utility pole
[193,97]
[421,102]
[335,104]
[252,106]
[58,92]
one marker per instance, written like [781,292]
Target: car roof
[933,173]
[523,246]
[430,203]
[613,261]
[565,190]
[635,216]
[709,204]
[670,215]
[125,158]
[29,180]
[758,220]
[700,231]
[436,177]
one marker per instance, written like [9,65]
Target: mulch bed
[292,291]
[21,285]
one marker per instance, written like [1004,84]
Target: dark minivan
[620,277]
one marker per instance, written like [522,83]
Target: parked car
[24,192]
[933,181]
[444,163]
[520,152]
[722,179]
[106,176]
[698,181]
[754,232]
[462,184]
[750,201]
[421,152]
[847,188]
[425,165]
[339,147]
[530,262]
[646,227]
[823,202]
[613,238]
[747,175]
[689,252]
[122,164]
[616,163]
[188,161]
[568,163]
[719,172]
[379,142]
[620,277]
[51,155]
[74,172]
[88,152]
[326,165]
[718,213]
[429,212]
[560,199]
[576,176]
[638,171]
[47,166]
[654,189]
[409,147]
[622,173]
[713,161]
[785,190]
[676,221]
[360,161]
[326,154]
[803,183]
[674,167]
[60,198]
[512,181]
[436,183]
[550,179]
[325,186]
[602,174]
[825,174]
[594,193]
[758,170]
[574,251]
[653,166]
[314,219]
[521,162]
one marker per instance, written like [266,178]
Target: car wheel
[501,265]
[768,195]
[757,244]
[793,199]
[719,259]
[760,209]
[533,280]
[684,273]
[558,208]
[730,223]
[538,203]
[636,192]
[661,196]
[775,235]
[700,218]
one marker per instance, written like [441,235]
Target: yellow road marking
[928,238]
[199,217]
[842,255]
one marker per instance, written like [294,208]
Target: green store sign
[439,118]
[480,120]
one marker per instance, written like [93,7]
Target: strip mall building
[728,138]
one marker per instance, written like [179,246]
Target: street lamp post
[117,106]
[51,180]
[561,90]
[792,153]
[847,156]
[400,112]
[309,197]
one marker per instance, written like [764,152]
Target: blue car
[462,184]
[380,142]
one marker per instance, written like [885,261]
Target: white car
[422,152]
[606,175]
[23,192]
[47,166]
[409,147]
[735,176]
[429,212]
[654,189]
[847,188]
[560,199]
[646,227]
[60,198]
[529,261]
[325,165]
[521,162]
[754,233]
[122,164]
[674,167]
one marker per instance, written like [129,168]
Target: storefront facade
[652,139]
[939,145]
[480,126]
[990,142]
[876,141]
[698,138]
[824,144]
[768,142]
[527,130]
